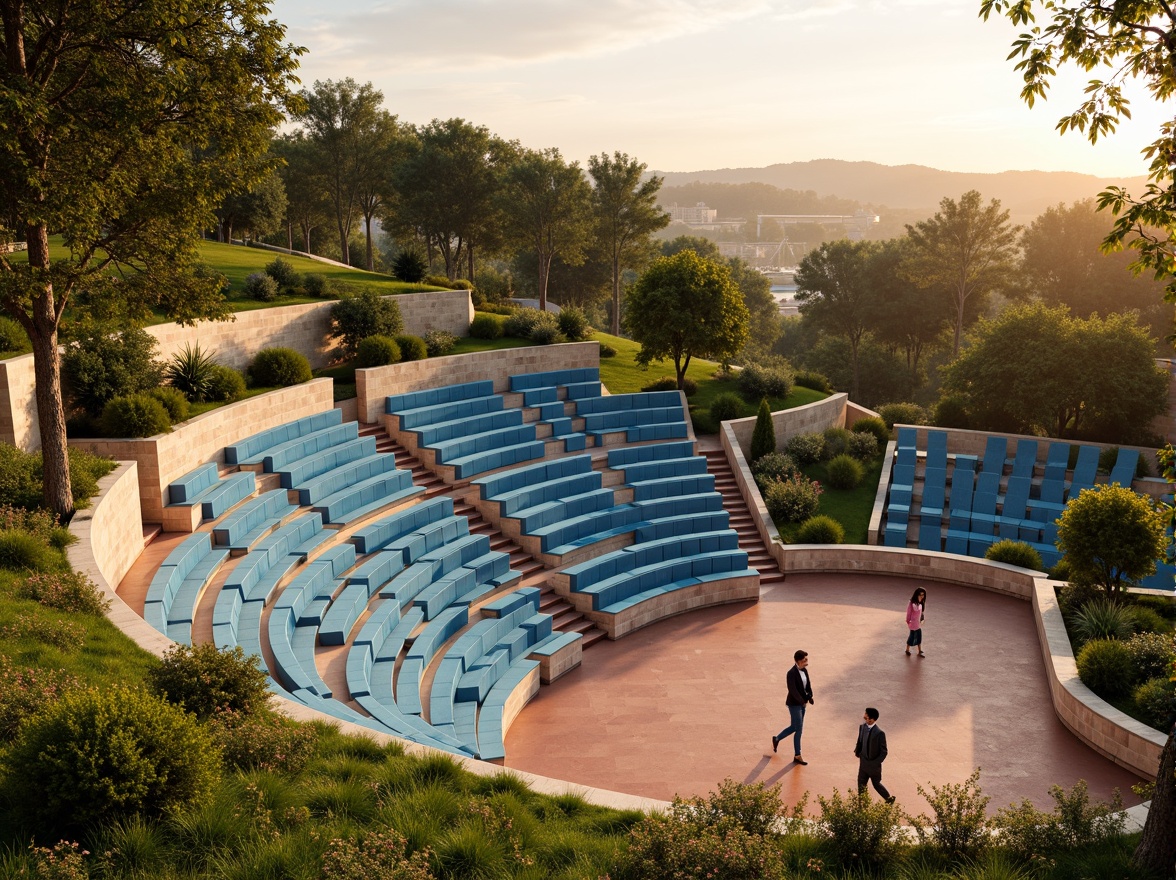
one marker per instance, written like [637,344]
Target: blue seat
[665,468]
[937,449]
[1085,470]
[934,491]
[368,496]
[226,494]
[984,502]
[1026,458]
[441,432]
[190,563]
[433,396]
[429,537]
[644,400]
[1014,508]
[627,455]
[664,488]
[342,614]
[299,472]
[435,633]
[186,489]
[251,449]
[480,462]
[674,430]
[1123,472]
[343,477]
[994,455]
[386,530]
[494,486]
[278,457]
[469,444]
[907,437]
[554,378]
[903,476]
[241,528]
[929,534]
[527,497]
[960,500]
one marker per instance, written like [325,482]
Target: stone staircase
[564,617]
[742,521]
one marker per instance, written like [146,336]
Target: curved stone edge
[110,539]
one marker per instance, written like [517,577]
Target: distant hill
[913,187]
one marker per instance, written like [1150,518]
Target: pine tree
[763,438]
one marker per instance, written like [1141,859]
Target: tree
[626,212]
[1062,263]
[307,206]
[1111,536]
[704,247]
[386,145]
[683,306]
[447,187]
[907,316]
[836,292]
[125,125]
[763,438]
[1037,368]
[341,120]
[756,290]
[546,205]
[257,211]
[968,249]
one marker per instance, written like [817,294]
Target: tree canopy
[685,306]
[1111,536]
[126,122]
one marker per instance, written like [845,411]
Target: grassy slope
[850,507]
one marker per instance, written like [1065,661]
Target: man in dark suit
[871,752]
[800,695]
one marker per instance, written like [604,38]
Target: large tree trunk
[544,268]
[615,320]
[58,493]
[289,235]
[345,258]
[371,265]
[470,261]
[959,326]
[1156,852]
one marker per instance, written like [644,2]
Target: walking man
[871,752]
[800,695]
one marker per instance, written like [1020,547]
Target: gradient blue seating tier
[204,486]
[980,511]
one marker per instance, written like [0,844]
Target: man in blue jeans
[800,695]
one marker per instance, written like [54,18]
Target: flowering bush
[61,634]
[206,680]
[64,862]
[806,448]
[25,690]
[40,523]
[66,591]
[262,742]
[794,499]
[374,856]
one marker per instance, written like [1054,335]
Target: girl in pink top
[914,619]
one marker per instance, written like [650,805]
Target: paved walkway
[677,707]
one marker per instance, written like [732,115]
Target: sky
[688,85]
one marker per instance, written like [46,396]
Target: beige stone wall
[817,416]
[1096,722]
[19,424]
[165,457]
[374,384]
[764,524]
[854,411]
[304,327]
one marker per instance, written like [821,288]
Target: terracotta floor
[681,705]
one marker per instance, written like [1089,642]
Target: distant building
[694,215]
[855,224]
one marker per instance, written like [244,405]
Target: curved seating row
[252,449]
[205,487]
[178,583]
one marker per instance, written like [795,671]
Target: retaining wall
[817,416]
[19,424]
[163,458]
[373,384]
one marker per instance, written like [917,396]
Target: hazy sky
[686,85]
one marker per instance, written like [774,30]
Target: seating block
[250,450]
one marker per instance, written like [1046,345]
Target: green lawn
[850,507]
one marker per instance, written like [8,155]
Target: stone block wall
[374,384]
[19,424]
[817,416]
[163,458]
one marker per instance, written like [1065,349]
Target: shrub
[69,591]
[1156,701]
[65,861]
[376,855]
[139,415]
[773,466]
[1107,458]
[41,524]
[1152,654]
[412,348]
[20,478]
[263,741]
[573,324]
[316,285]
[757,381]
[820,530]
[224,383]
[521,322]
[13,338]
[24,552]
[24,691]
[97,756]
[546,332]
[845,472]
[763,437]
[438,281]
[279,367]
[858,832]
[190,371]
[1149,620]
[726,406]
[1102,619]
[836,442]
[959,827]
[950,412]
[1104,665]
[283,273]
[377,351]
[485,327]
[205,680]
[875,426]
[1013,552]
[806,448]
[173,401]
[261,287]
[439,342]
[669,383]
[811,379]
[409,266]
[1074,823]
[98,366]
[794,499]
[902,414]
[863,445]
[607,351]
[358,316]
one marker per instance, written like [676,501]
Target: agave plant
[191,371]
[1102,619]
